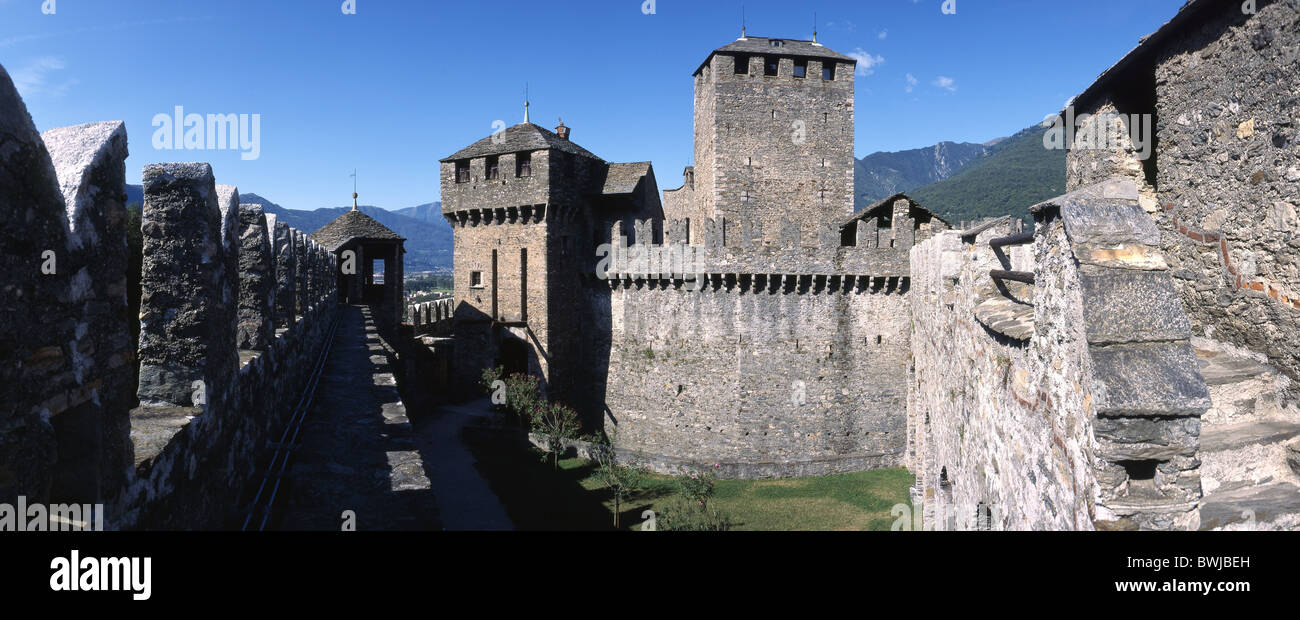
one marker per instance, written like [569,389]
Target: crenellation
[186,331]
[257,280]
[285,272]
[94,433]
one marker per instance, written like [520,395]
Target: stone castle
[1127,363]
[758,357]
[1051,378]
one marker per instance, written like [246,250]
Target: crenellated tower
[773,137]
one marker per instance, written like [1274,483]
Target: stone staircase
[1250,442]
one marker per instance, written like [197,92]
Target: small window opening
[770,65]
[1140,470]
[492,168]
[776,43]
[983,517]
[801,68]
[742,65]
[524,165]
[462,172]
[476,279]
[828,71]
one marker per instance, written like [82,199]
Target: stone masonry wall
[785,380]
[1000,438]
[67,430]
[90,162]
[1092,420]
[770,359]
[1226,174]
[216,398]
[53,361]
[773,147]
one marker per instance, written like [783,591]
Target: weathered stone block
[1156,378]
[35,314]
[95,440]
[256,280]
[1131,306]
[186,325]
[1106,222]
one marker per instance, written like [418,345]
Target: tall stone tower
[773,136]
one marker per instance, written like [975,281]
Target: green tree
[620,481]
[556,422]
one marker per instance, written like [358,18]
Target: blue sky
[401,83]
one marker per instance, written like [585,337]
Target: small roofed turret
[357,242]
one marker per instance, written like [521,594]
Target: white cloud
[882,35]
[866,62]
[34,78]
[945,83]
[911,82]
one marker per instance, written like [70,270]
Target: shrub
[524,395]
[681,515]
[620,481]
[556,422]
[696,486]
[489,377]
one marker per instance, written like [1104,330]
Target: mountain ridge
[428,238]
[885,173]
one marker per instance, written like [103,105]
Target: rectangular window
[476,279]
[524,165]
[462,172]
[770,65]
[800,68]
[828,70]
[742,65]
[492,169]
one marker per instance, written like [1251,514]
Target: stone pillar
[94,435]
[285,266]
[301,277]
[187,345]
[313,248]
[256,281]
[228,203]
[903,224]
[323,260]
[38,322]
[867,233]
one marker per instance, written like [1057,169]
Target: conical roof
[352,225]
[521,137]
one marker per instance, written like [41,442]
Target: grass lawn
[539,497]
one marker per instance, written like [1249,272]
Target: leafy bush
[696,486]
[489,377]
[680,515]
[556,422]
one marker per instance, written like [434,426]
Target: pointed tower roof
[521,137]
[353,225]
